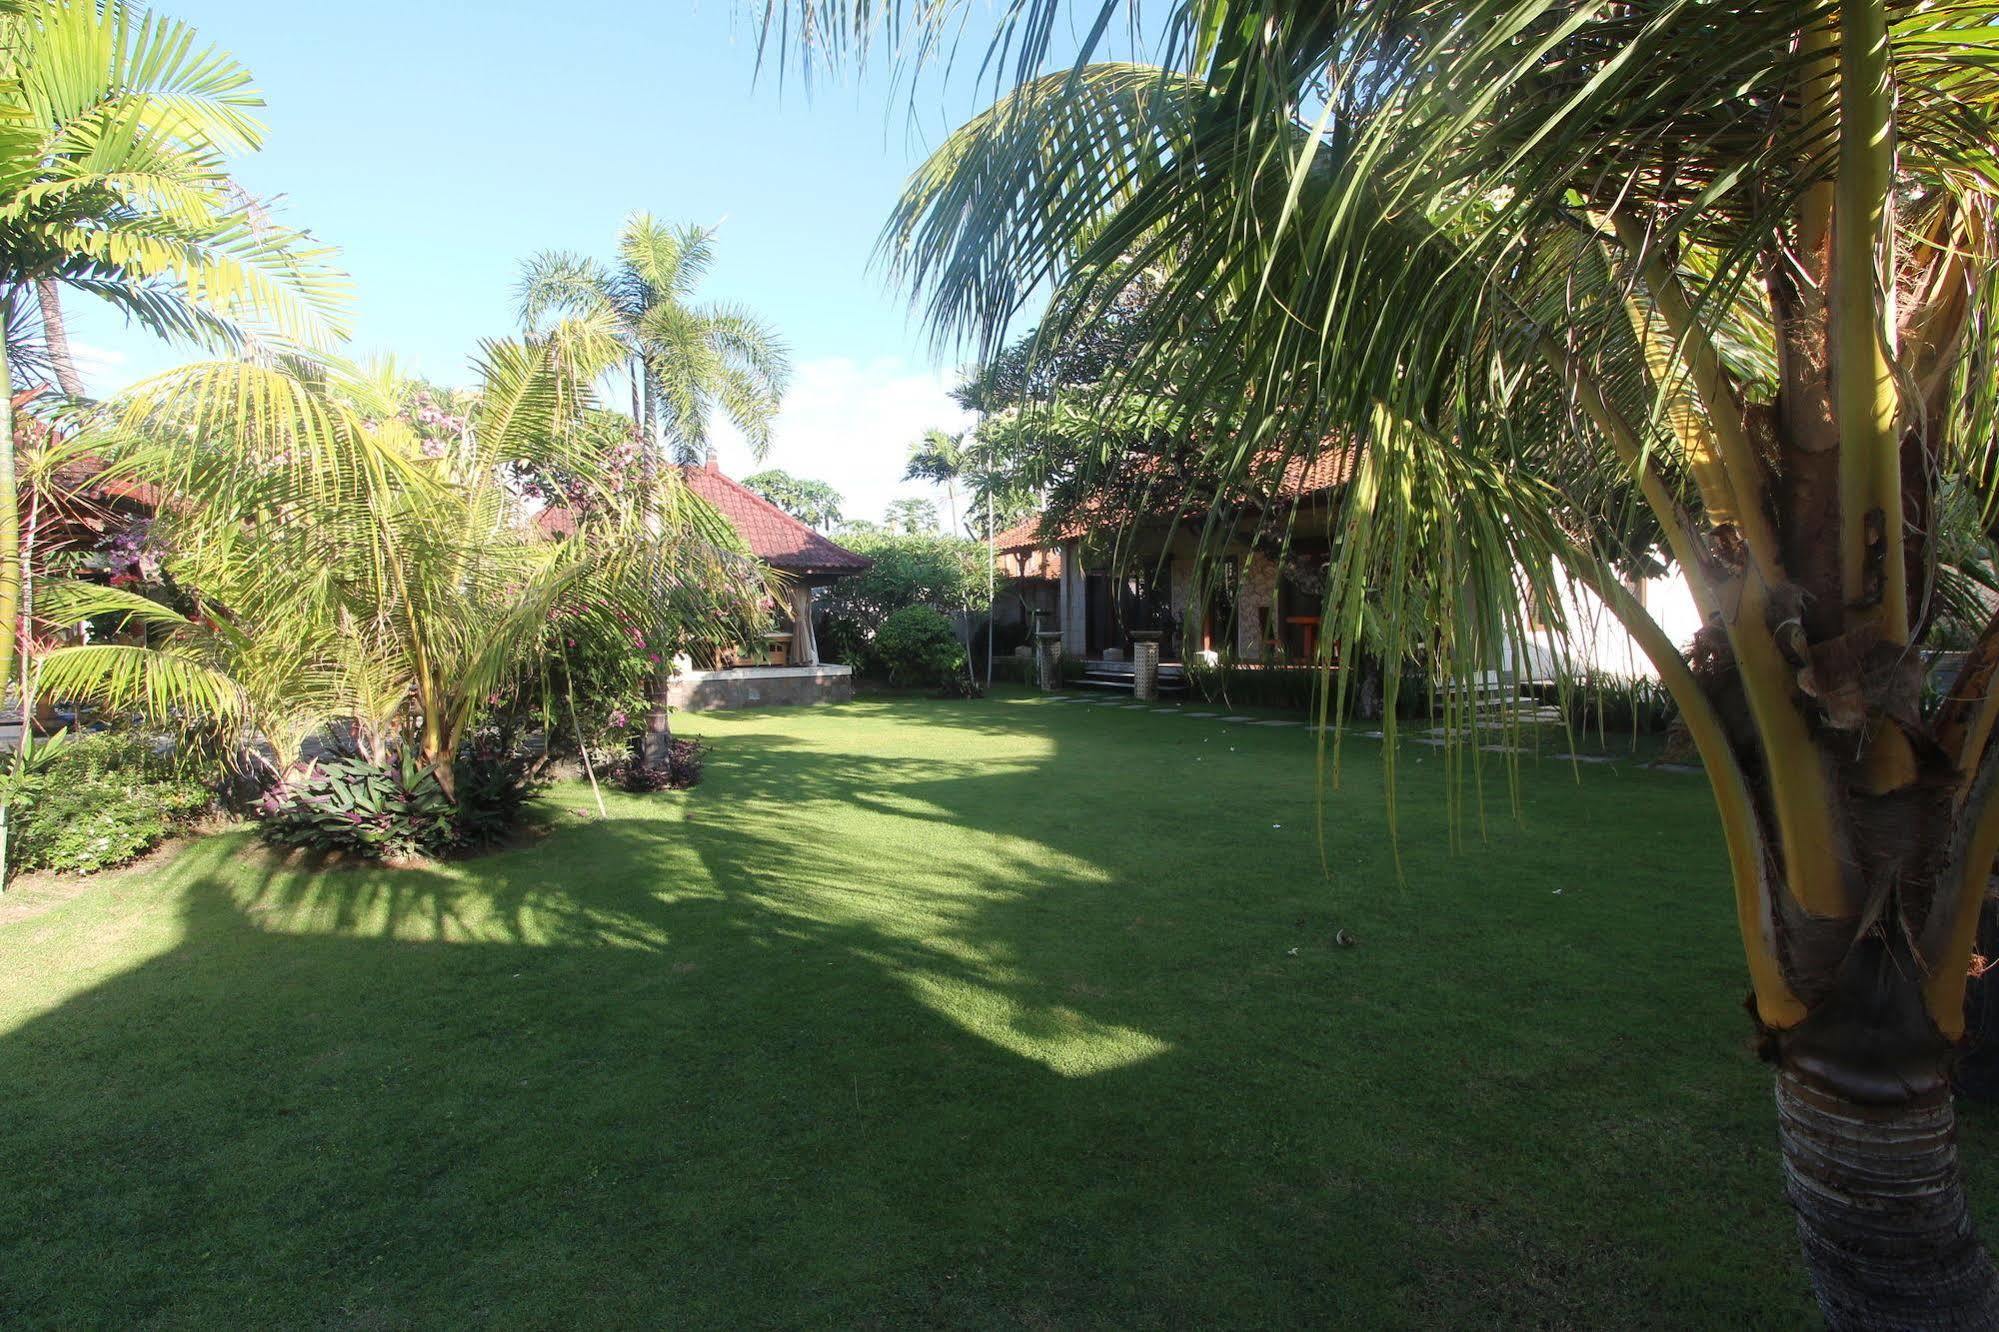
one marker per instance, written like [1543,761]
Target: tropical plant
[811,502]
[940,458]
[114,129]
[911,517]
[688,363]
[389,808]
[406,590]
[1552,263]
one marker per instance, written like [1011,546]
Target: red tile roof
[773,536]
[1327,469]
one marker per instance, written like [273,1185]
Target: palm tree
[939,458]
[406,584]
[688,363]
[1562,267]
[114,128]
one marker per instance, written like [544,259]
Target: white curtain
[804,648]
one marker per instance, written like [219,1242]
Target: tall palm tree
[1561,267]
[688,363]
[939,458]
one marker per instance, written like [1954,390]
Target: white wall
[1595,641]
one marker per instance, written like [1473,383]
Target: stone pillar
[1048,651]
[1145,665]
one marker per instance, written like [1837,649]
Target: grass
[1003,1012]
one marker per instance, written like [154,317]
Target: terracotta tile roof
[1331,467]
[773,536]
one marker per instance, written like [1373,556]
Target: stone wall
[761,687]
[1256,602]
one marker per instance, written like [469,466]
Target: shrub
[104,800]
[1607,703]
[941,572]
[681,770]
[917,646]
[390,811]
[494,787]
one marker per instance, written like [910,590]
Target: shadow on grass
[912,1012]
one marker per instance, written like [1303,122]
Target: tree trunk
[1887,1239]
[10,526]
[657,746]
[55,333]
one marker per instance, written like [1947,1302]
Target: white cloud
[103,368]
[850,424]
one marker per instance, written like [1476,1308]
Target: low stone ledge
[761,687]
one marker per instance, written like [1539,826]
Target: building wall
[1256,602]
[1596,641]
[1075,607]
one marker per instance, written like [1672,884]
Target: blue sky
[438,144]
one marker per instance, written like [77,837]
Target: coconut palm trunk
[55,333]
[1871,1169]
[10,527]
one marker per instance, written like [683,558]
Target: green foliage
[1608,704]
[493,790]
[947,574]
[812,502]
[387,811]
[1292,688]
[398,809]
[101,801]
[911,517]
[918,646]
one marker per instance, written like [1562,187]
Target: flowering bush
[681,770]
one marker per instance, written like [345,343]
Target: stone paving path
[1431,740]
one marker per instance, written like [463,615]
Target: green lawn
[1007,1012]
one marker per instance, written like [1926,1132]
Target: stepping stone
[1585,758]
[1430,741]
[1142,707]
[1675,767]
[1502,749]
[1369,735]
[1238,719]
[1277,723]
[1200,714]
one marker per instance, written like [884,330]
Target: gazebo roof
[773,536]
